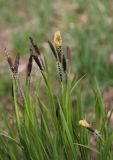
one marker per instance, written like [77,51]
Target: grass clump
[53,127]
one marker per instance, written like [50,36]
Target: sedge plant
[53,127]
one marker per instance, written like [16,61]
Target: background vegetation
[86,26]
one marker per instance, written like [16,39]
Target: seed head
[13,66]
[53,49]
[37,60]
[57,39]
[34,46]
[9,60]
[16,63]
[29,66]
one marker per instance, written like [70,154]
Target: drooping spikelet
[84,123]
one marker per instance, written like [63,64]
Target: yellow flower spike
[57,39]
[84,123]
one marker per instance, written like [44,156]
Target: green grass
[48,127]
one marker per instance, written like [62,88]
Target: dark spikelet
[9,60]
[37,51]
[34,46]
[38,62]
[59,70]
[29,66]
[64,63]
[53,49]
[16,63]
[69,54]
[39,58]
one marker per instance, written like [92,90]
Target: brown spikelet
[29,66]
[53,49]
[64,63]
[9,60]
[37,51]
[59,70]
[34,46]
[38,62]
[13,67]
[16,63]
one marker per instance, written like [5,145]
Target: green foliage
[49,129]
